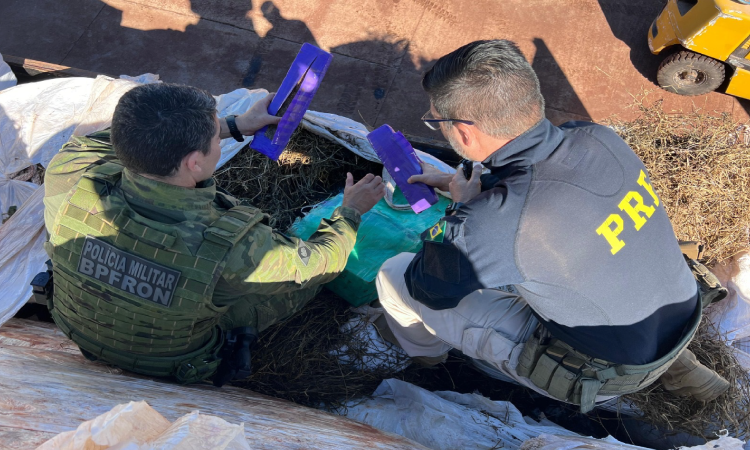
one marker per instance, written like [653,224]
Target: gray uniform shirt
[568,216]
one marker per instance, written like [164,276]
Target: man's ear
[192,162]
[466,134]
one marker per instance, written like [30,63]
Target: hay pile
[731,411]
[295,361]
[699,165]
[310,170]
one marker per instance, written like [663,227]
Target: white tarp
[22,254]
[449,420]
[137,426]
[731,316]
[7,77]
[550,442]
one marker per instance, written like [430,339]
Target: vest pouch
[532,351]
[709,285]
[543,371]
[562,382]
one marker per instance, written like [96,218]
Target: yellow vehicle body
[719,29]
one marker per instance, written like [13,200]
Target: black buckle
[42,285]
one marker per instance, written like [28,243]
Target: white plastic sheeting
[137,426]
[731,316]
[7,77]
[551,442]
[22,254]
[448,420]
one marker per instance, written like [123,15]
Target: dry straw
[699,164]
[311,169]
[731,411]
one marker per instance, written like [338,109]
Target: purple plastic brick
[305,75]
[402,162]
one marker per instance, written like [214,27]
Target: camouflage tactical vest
[133,295]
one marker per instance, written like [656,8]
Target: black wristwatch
[452,208]
[233,130]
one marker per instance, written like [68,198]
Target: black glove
[235,355]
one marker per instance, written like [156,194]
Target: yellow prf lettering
[605,229]
[634,210]
[642,182]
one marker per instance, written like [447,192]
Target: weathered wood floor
[47,387]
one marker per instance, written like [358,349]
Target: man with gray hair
[558,268]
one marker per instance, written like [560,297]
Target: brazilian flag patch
[437,232]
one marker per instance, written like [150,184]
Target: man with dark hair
[558,268]
[158,272]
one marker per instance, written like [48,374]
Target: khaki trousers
[488,325]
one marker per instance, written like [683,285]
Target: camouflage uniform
[264,277]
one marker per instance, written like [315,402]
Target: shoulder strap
[227,230]
[109,172]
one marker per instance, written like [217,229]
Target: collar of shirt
[166,202]
[534,145]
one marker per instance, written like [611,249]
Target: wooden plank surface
[47,387]
[13,438]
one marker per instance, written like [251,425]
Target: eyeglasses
[433,123]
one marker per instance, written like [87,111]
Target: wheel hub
[690,77]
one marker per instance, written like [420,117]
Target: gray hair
[156,125]
[489,83]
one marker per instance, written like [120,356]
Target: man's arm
[441,274]
[267,262]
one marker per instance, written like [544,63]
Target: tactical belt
[189,368]
[573,377]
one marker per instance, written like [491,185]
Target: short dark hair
[156,125]
[489,83]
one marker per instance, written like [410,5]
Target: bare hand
[463,190]
[432,177]
[257,116]
[363,195]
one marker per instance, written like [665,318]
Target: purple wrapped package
[292,99]
[402,162]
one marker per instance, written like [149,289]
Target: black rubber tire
[689,73]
